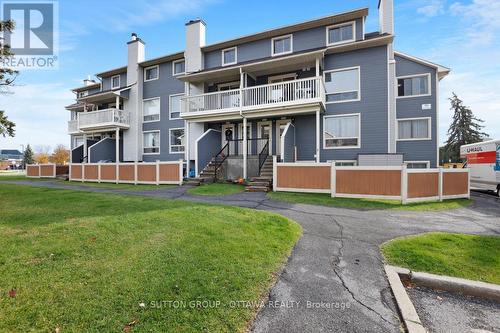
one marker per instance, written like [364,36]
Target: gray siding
[305,137]
[165,86]
[373,105]
[411,107]
[289,145]
[105,150]
[106,81]
[208,146]
[303,40]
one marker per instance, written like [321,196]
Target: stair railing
[264,153]
[219,159]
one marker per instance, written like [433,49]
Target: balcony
[99,120]
[293,94]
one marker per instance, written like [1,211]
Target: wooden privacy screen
[423,185]
[146,173]
[368,182]
[304,177]
[455,183]
[32,171]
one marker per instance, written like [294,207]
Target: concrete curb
[406,308]
[463,286]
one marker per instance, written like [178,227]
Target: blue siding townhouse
[320,90]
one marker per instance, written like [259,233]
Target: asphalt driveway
[334,279]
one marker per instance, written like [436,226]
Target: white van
[483,160]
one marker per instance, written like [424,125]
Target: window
[341,131]
[151,109]
[414,85]
[78,141]
[82,94]
[115,82]
[229,56]
[151,142]
[340,33]
[175,106]
[178,67]
[417,164]
[414,129]
[342,85]
[151,73]
[176,142]
[344,163]
[282,45]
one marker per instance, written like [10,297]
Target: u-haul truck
[483,160]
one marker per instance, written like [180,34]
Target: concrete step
[257,189]
[259,183]
[262,179]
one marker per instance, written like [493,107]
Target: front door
[249,136]
[224,141]
[264,131]
[280,128]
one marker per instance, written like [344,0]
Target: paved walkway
[334,279]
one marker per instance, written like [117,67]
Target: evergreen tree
[6,126]
[28,156]
[464,129]
[7,75]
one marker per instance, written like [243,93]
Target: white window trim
[82,94]
[119,81]
[170,143]
[412,76]
[159,113]
[342,115]
[340,92]
[282,76]
[343,161]
[429,131]
[159,142]
[353,23]
[281,37]
[227,84]
[173,67]
[235,56]
[428,163]
[170,106]
[157,71]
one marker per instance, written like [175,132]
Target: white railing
[73,126]
[275,94]
[101,118]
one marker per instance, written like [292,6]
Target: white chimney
[386,16]
[195,40]
[88,81]
[135,56]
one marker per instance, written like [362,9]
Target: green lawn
[324,199]
[83,261]
[465,256]
[20,177]
[216,189]
[114,186]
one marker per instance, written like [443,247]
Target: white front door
[264,131]
[249,136]
[280,128]
[224,141]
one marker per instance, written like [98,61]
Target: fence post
[55,173]
[404,185]
[39,171]
[157,172]
[440,184]
[333,179]
[69,176]
[98,172]
[181,164]
[117,172]
[468,183]
[275,173]
[83,172]
[135,173]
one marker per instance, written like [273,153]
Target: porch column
[117,102]
[186,148]
[84,148]
[245,149]
[117,153]
[317,67]
[317,136]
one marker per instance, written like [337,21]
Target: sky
[461,35]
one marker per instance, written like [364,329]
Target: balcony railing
[103,118]
[73,126]
[287,93]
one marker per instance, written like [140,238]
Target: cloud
[39,114]
[433,8]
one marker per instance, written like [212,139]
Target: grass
[216,189]
[324,199]
[465,256]
[138,187]
[84,261]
